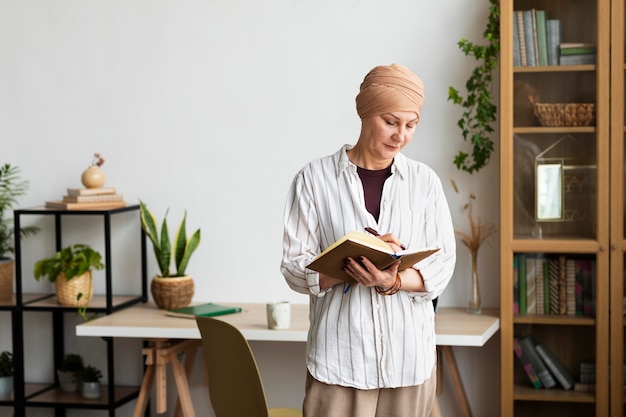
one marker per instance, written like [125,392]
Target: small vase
[474,304]
[6,388]
[91,390]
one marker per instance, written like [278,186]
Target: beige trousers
[322,400]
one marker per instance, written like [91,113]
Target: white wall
[211,106]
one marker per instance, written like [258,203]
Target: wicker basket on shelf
[564,114]
[68,291]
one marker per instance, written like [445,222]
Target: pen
[375,233]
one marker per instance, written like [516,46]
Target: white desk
[453,326]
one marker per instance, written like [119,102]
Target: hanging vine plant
[479,109]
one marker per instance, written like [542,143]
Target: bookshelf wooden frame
[578,18]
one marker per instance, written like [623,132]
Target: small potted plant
[6,375]
[70,372]
[91,387]
[170,289]
[11,187]
[70,269]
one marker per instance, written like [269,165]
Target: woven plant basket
[67,291]
[6,279]
[175,292]
[564,114]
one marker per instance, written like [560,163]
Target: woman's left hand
[366,273]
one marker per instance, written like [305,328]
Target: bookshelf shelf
[571,173]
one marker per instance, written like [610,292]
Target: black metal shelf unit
[49,395]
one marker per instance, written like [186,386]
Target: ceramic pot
[93,177]
[69,381]
[91,390]
[6,388]
[172,292]
[6,279]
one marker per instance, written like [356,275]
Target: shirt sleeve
[437,269]
[300,241]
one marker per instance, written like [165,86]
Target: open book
[356,244]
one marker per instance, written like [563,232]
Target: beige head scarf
[390,88]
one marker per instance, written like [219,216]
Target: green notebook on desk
[206,310]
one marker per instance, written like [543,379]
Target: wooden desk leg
[456,380]
[190,356]
[161,378]
[182,385]
[144,392]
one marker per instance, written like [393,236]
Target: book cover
[546,285]
[526,364]
[90,191]
[533,15]
[515,284]
[356,244]
[560,372]
[542,37]
[591,50]
[577,59]
[553,278]
[553,32]
[522,284]
[530,38]
[539,285]
[205,310]
[92,198]
[521,35]
[516,53]
[100,205]
[578,286]
[528,345]
[562,285]
[531,283]
[570,289]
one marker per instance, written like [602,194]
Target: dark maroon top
[373,182]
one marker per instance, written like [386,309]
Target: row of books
[554,284]
[537,42]
[88,198]
[545,370]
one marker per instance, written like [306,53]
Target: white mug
[278,315]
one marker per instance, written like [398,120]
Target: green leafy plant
[6,363]
[74,260]
[11,187]
[91,374]
[72,362]
[183,247]
[479,109]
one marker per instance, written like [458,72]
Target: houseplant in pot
[71,271]
[6,375]
[11,187]
[91,387]
[171,289]
[69,373]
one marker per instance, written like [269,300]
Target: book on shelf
[533,16]
[531,282]
[556,367]
[92,198]
[91,191]
[553,34]
[522,283]
[356,244]
[553,283]
[577,48]
[562,285]
[524,360]
[577,59]
[570,286]
[99,205]
[578,287]
[515,284]
[521,36]
[528,346]
[580,387]
[530,38]
[204,310]
[542,37]
[516,51]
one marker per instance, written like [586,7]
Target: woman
[371,347]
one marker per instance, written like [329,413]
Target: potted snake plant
[172,288]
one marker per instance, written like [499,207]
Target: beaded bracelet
[391,290]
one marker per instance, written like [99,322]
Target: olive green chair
[234,382]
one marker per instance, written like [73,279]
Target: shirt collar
[342,162]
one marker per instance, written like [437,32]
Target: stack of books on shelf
[541,365]
[587,381]
[554,284]
[88,199]
[536,39]
[577,53]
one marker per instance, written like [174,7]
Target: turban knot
[390,88]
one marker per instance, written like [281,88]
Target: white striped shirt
[359,338]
